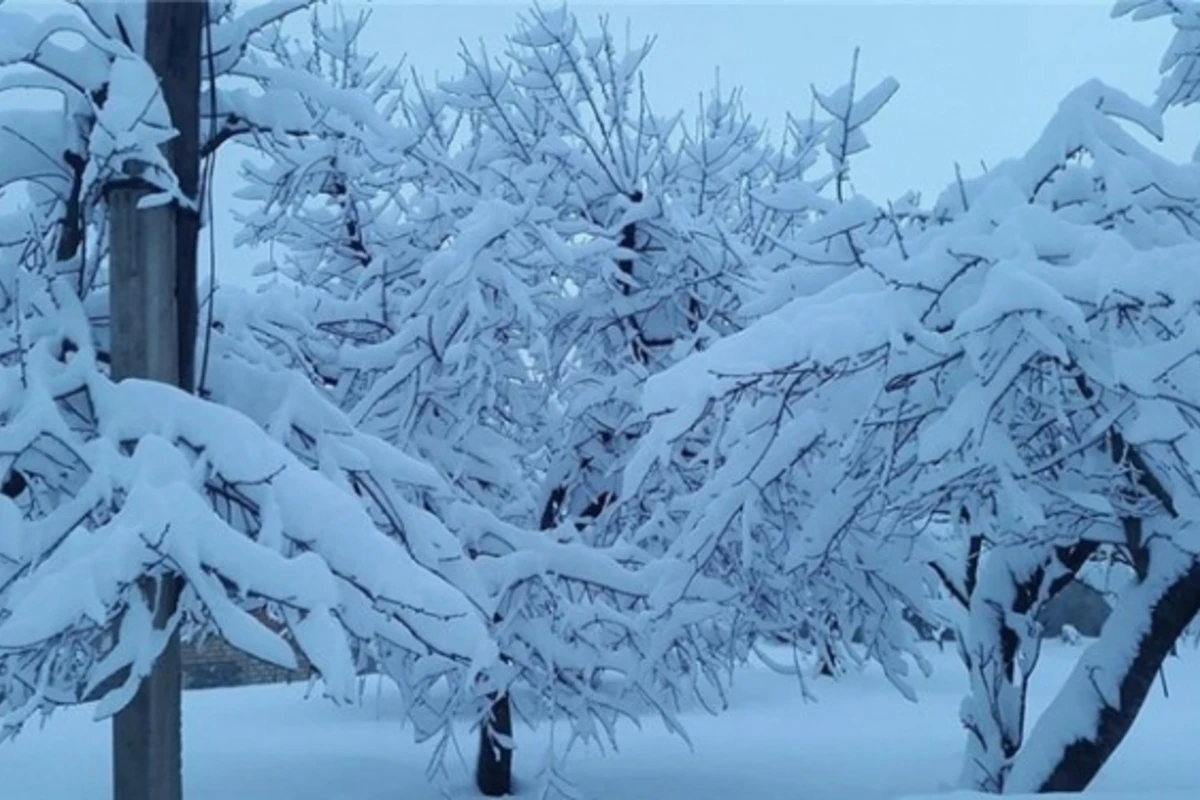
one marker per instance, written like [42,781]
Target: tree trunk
[1001,649]
[829,661]
[493,770]
[493,764]
[1096,707]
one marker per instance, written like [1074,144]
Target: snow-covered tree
[642,265]
[321,187]
[799,232]
[130,480]
[454,364]
[273,504]
[1019,364]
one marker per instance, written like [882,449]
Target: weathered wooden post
[153,313]
[145,344]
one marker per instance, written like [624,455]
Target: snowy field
[860,741]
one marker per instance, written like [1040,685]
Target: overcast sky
[977,80]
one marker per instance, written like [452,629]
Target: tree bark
[1097,706]
[1001,649]
[493,770]
[1093,712]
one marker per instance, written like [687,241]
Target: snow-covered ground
[860,741]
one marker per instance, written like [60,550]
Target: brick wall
[215,663]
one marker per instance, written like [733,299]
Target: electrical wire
[208,218]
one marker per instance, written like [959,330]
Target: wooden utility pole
[153,312]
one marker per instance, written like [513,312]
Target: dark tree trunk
[493,769]
[493,764]
[829,659]
[827,663]
[1171,600]
[1150,618]
[1000,649]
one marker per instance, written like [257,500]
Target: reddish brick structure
[215,663]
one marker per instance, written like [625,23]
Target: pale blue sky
[977,80]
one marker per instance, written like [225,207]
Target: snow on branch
[107,81]
[992,359]
[556,595]
[1180,85]
[137,479]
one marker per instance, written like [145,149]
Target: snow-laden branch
[147,481]
[1020,363]
[559,625]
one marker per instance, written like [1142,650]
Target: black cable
[207,202]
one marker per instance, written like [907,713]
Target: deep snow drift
[859,741]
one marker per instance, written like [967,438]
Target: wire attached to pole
[207,202]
